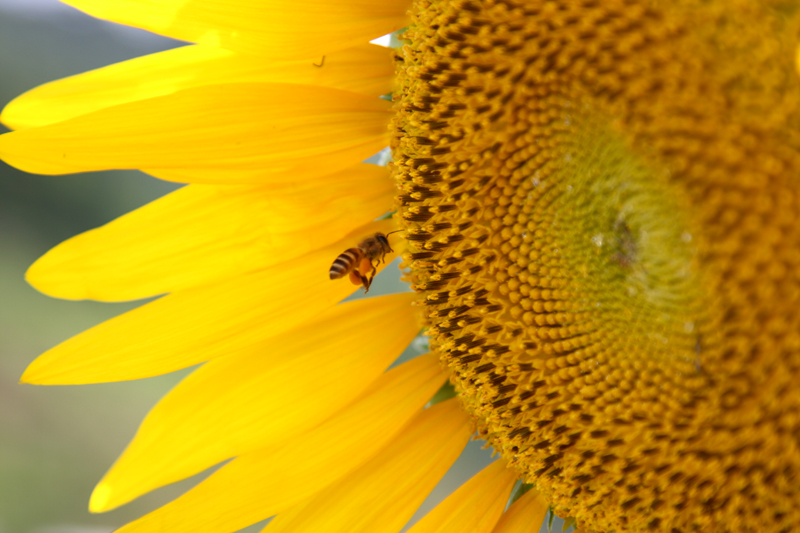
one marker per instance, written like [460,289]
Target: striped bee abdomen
[346,261]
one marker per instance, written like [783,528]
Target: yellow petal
[263,483]
[274,29]
[195,325]
[241,126]
[236,404]
[202,233]
[525,515]
[287,172]
[382,495]
[475,506]
[365,69]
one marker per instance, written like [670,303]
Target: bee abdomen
[345,262]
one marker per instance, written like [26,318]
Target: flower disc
[601,202]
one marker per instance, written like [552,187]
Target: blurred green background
[56,442]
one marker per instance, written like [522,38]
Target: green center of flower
[600,204]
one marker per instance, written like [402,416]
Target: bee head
[384,241]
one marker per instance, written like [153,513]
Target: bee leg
[366,282]
[356,278]
[372,275]
[365,266]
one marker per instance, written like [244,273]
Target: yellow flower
[600,215]
[601,199]
[269,125]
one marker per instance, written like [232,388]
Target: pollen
[600,200]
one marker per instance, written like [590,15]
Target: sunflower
[598,205]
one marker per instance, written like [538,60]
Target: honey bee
[362,260]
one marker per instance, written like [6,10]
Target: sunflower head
[601,203]
[600,206]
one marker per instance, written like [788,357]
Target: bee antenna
[395,231]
